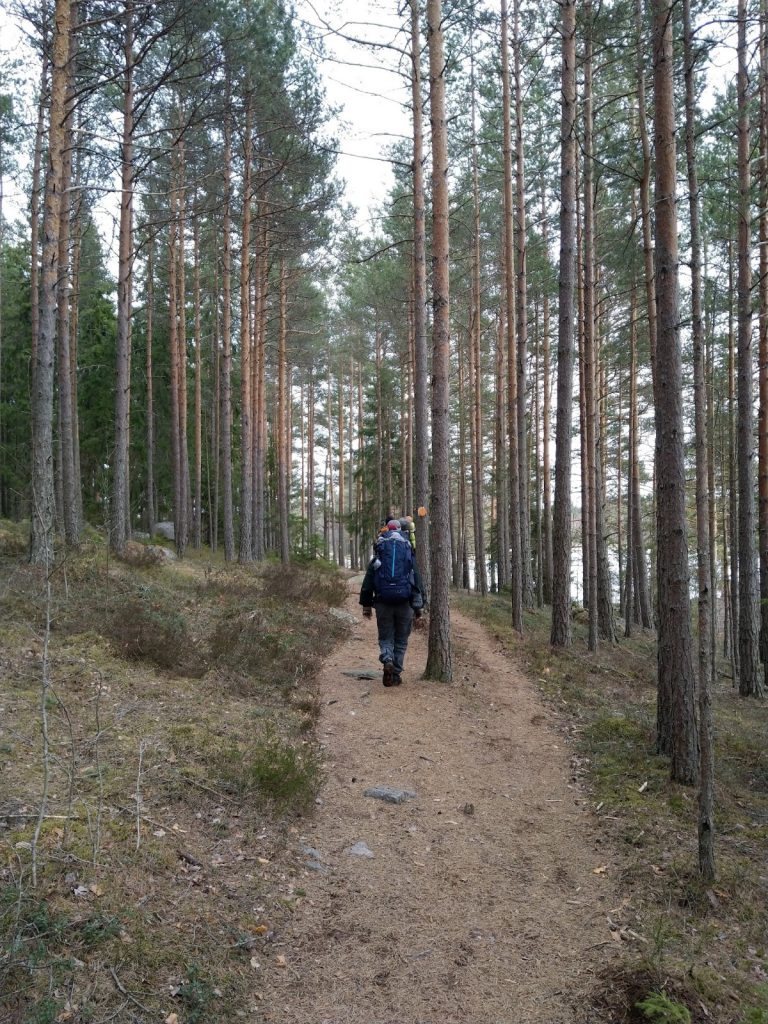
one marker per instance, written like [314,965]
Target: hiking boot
[396,678]
[389,674]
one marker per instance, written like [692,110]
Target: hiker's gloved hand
[367,612]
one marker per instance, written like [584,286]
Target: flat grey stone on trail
[360,849]
[313,859]
[390,795]
[360,673]
[339,613]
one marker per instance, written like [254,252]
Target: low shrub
[143,556]
[272,644]
[280,774]
[316,583]
[660,1009]
[151,631]
[14,538]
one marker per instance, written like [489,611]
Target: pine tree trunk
[561,514]
[185,496]
[706,781]
[380,510]
[583,448]
[150,498]
[709,339]
[631,554]
[439,653]
[590,406]
[74,327]
[245,551]
[475,365]
[677,733]
[733,505]
[354,552]
[41,551]
[259,482]
[502,493]
[645,184]
[121,524]
[283,421]
[546,402]
[311,461]
[517,571]
[462,564]
[67,412]
[619,469]
[521,301]
[763,343]
[342,554]
[214,456]
[35,196]
[641,605]
[751,683]
[539,575]
[173,346]
[197,502]
[226,342]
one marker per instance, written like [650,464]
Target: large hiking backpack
[393,577]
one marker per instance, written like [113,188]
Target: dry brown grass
[164,861]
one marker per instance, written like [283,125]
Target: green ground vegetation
[181,717]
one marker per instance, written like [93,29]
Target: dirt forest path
[480,902]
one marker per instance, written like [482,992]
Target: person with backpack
[393,586]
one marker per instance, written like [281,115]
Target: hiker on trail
[393,586]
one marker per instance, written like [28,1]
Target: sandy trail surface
[480,902]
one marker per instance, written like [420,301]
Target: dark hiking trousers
[394,624]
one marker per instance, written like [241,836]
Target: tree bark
[521,309]
[645,185]
[439,652]
[677,734]
[121,522]
[283,421]
[226,342]
[341,547]
[185,496]
[561,635]
[197,500]
[590,406]
[751,683]
[706,780]
[546,403]
[517,573]
[475,363]
[763,342]
[150,499]
[35,196]
[245,551]
[41,550]
[67,412]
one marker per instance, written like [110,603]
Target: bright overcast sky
[368,84]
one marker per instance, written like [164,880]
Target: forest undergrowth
[704,949]
[180,714]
